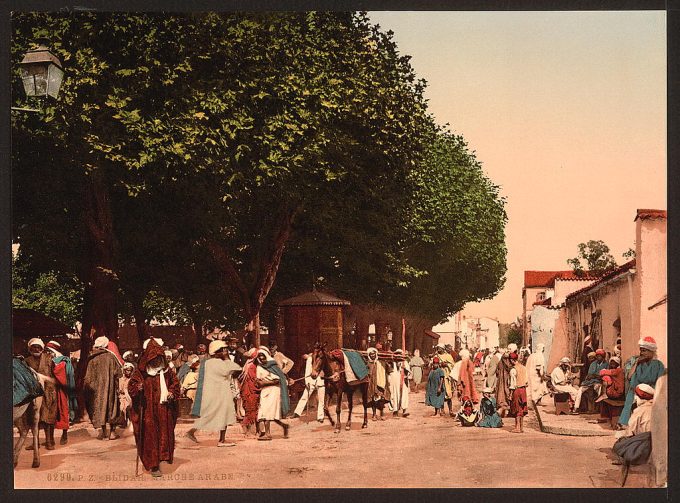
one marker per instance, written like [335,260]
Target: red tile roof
[534,279]
[612,274]
[653,214]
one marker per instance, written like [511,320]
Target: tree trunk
[198,330]
[140,320]
[100,313]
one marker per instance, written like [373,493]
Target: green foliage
[594,258]
[515,336]
[211,127]
[48,293]
[629,254]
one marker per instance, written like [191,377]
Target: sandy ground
[418,451]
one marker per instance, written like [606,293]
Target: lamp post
[41,74]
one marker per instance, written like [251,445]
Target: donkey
[26,416]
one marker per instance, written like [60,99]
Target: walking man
[41,361]
[101,389]
[214,399]
[312,385]
[154,390]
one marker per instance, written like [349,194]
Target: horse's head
[319,359]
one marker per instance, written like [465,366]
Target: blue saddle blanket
[25,386]
[357,363]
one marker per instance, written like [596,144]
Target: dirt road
[418,451]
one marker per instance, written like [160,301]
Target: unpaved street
[418,451]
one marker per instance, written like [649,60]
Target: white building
[482,332]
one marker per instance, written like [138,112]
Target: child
[434,395]
[613,380]
[518,389]
[467,415]
[487,407]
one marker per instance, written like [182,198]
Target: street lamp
[41,72]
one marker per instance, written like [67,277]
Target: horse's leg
[337,409]
[327,400]
[350,402]
[37,404]
[364,399]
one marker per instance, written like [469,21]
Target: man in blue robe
[645,369]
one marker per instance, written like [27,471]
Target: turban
[371,350]
[36,342]
[167,352]
[464,354]
[215,346]
[644,391]
[194,358]
[615,359]
[592,354]
[600,352]
[251,352]
[179,347]
[158,340]
[195,364]
[435,360]
[565,360]
[440,346]
[101,342]
[513,356]
[264,351]
[127,353]
[128,365]
[398,351]
[512,347]
[487,390]
[647,343]
[53,345]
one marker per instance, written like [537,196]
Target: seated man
[561,379]
[639,423]
[593,380]
[614,387]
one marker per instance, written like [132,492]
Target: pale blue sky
[566,111]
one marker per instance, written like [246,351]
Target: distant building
[469,332]
[547,288]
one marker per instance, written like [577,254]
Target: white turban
[215,346]
[128,365]
[194,358]
[464,354]
[168,353]
[512,347]
[615,359]
[36,342]
[264,351]
[101,342]
[647,343]
[126,354]
[566,359]
[158,340]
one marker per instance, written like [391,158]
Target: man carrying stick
[154,391]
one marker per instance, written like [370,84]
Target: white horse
[27,416]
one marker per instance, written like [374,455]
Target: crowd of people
[229,384]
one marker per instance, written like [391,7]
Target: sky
[566,111]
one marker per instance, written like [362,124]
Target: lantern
[41,72]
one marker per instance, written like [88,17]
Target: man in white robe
[536,372]
[561,380]
[270,408]
[400,372]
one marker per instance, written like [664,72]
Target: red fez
[600,352]
[513,356]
